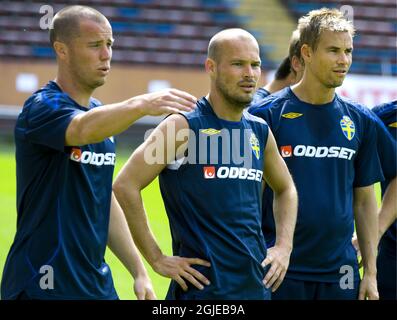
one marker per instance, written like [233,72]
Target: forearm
[108,120]
[130,200]
[388,210]
[121,243]
[285,206]
[367,234]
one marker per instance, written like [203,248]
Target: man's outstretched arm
[105,121]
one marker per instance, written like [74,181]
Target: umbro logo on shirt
[292,115]
[210,131]
[88,157]
[393,125]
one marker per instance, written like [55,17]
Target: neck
[313,92]
[76,91]
[223,109]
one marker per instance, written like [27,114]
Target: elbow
[123,188]
[118,187]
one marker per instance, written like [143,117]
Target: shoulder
[356,108]
[272,101]
[385,109]
[198,112]
[95,103]
[252,118]
[260,94]
[50,97]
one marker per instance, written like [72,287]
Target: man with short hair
[329,145]
[213,199]
[65,157]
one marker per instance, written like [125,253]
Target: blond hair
[315,22]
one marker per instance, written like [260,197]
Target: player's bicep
[73,134]
[152,156]
[276,173]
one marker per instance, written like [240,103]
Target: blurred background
[163,43]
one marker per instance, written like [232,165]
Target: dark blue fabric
[329,149]
[387,270]
[63,204]
[215,216]
[260,94]
[292,289]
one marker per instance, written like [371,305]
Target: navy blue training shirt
[63,205]
[329,149]
[260,94]
[214,205]
[388,114]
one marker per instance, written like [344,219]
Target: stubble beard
[236,102]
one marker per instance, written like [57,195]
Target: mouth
[340,72]
[104,69]
[247,87]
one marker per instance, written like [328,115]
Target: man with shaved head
[212,199]
[65,156]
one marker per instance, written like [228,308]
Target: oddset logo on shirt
[286,151]
[88,157]
[209,172]
[240,173]
[317,152]
[75,155]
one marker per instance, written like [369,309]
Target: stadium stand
[375,41]
[148,31]
[176,33]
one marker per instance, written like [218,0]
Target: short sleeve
[368,168]
[47,118]
[387,150]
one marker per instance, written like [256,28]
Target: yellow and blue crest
[254,142]
[348,127]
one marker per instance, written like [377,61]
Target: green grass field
[123,281]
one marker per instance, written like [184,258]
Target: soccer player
[329,145]
[212,198]
[289,72]
[65,155]
[387,255]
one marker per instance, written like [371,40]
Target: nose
[106,53]
[248,71]
[344,58]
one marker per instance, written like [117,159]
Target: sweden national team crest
[348,127]
[254,142]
